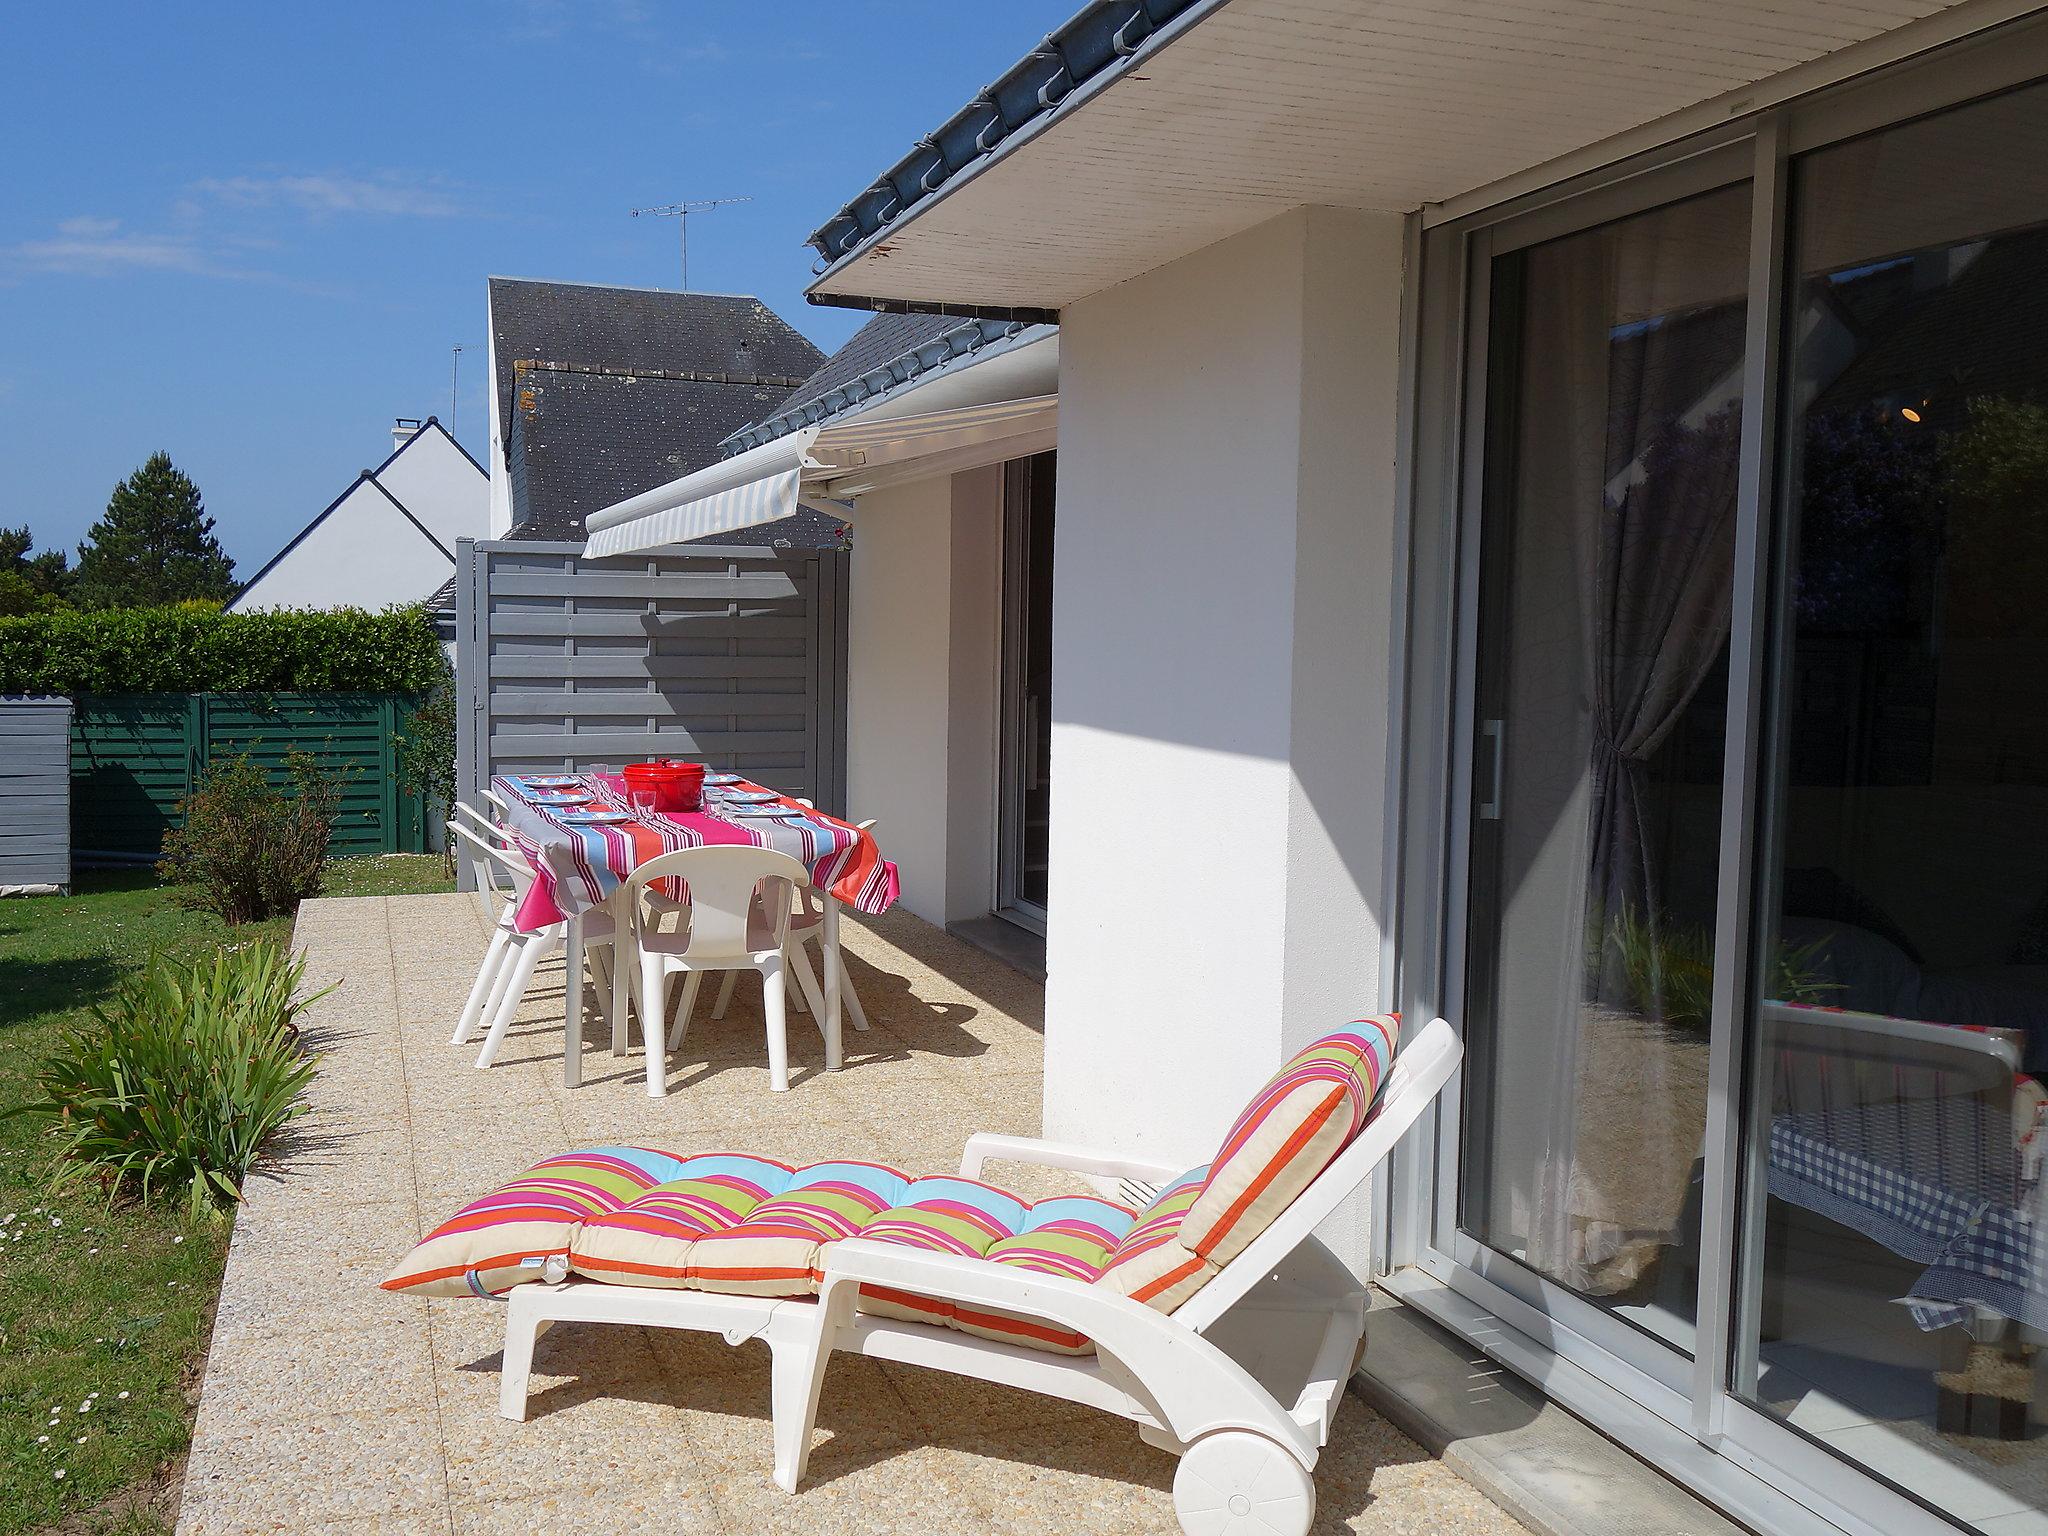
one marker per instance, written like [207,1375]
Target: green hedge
[176,650]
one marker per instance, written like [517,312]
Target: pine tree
[31,583]
[154,546]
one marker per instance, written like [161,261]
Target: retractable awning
[832,463]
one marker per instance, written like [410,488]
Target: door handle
[1489,808]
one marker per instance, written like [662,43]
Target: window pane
[1612,447]
[1903,946]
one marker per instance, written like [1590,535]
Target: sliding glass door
[1897,1279]
[1613,424]
[1728,783]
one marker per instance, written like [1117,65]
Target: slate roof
[442,599]
[1102,39]
[878,342]
[721,334]
[583,438]
[890,351]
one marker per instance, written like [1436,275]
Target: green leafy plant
[179,1079]
[426,753]
[1668,970]
[249,848]
[193,648]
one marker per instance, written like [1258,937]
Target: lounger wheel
[1235,1483]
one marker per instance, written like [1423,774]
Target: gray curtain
[1633,513]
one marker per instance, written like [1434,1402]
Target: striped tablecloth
[578,867]
[1978,1250]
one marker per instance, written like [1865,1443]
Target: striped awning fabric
[831,463]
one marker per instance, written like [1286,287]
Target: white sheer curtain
[1625,541]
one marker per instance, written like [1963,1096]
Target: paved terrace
[331,1405]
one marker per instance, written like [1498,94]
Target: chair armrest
[984,1145]
[1195,1387]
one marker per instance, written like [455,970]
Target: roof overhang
[1229,112]
[829,465]
[950,370]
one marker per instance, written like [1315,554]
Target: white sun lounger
[1242,1381]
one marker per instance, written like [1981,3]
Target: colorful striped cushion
[1290,1132]
[1070,1235]
[751,1226]
[507,1237]
[1152,1264]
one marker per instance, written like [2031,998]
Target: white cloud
[88,246]
[390,194]
[530,21]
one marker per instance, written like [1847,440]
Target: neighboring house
[1424,627]
[389,538]
[598,393]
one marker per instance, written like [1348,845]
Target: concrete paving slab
[330,1405]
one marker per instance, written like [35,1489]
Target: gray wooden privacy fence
[735,658]
[35,792]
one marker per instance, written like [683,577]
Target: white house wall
[437,482]
[495,461]
[1221,692]
[364,553]
[924,606]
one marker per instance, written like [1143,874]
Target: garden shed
[35,796]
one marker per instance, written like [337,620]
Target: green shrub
[249,849]
[193,649]
[1668,970]
[180,1079]
[426,754]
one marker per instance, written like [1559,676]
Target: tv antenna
[681,212]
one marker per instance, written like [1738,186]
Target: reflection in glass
[1614,412]
[1895,1303]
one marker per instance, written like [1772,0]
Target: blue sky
[250,234]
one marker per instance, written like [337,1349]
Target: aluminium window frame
[1682,1413]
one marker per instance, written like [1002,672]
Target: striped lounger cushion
[751,1226]
[1291,1131]
[508,1236]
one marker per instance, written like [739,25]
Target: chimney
[404,430]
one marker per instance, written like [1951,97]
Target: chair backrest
[490,889]
[509,862]
[483,823]
[720,882]
[1421,1068]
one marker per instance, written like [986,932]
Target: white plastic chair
[728,928]
[1247,1457]
[816,921]
[489,892]
[512,957]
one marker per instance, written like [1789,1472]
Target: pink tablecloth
[578,867]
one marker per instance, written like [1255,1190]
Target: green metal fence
[133,756]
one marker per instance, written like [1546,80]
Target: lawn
[104,1312]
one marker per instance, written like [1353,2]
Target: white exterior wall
[364,553]
[494,459]
[925,606]
[438,484]
[1221,634]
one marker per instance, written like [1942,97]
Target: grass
[99,1305]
